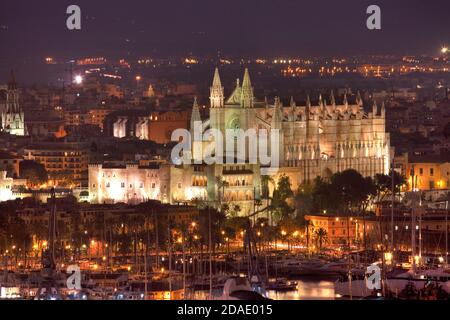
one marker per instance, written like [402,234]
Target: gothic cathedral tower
[12,117]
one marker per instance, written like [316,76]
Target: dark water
[311,289]
[307,290]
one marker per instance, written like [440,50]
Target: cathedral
[315,140]
[11,115]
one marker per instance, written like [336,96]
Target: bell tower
[216,91]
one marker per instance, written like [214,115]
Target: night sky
[35,29]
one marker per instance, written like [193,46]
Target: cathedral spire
[246,83]
[216,91]
[277,116]
[292,102]
[216,80]
[332,99]
[359,101]
[195,115]
[266,106]
[247,91]
[293,106]
[308,107]
[345,100]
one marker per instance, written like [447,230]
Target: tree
[234,225]
[281,194]
[234,210]
[321,199]
[33,171]
[321,236]
[350,190]
[370,190]
[386,185]
[383,184]
[217,221]
[265,180]
[221,185]
[304,200]
[308,225]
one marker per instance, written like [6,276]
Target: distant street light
[444,50]
[138,78]
[78,79]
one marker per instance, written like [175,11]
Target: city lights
[78,79]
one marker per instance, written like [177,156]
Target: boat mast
[392,208]
[183,239]
[210,252]
[446,233]
[420,228]
[170,256]
[145,258]
[413,221]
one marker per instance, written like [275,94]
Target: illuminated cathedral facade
[316,140]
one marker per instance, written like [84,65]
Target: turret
[345,101]
[196,152]
[293,106]
[332,99]
[247,91]
[216,91]
[308,107]
[277,116]
[374,108]
[195,115]
[359,100]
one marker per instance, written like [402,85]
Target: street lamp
[78,79]
[138,78]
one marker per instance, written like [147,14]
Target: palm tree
[235,210]
[321,237]
[265,180]
[308,224]
[221,184]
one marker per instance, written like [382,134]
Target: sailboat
[420,278]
